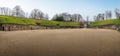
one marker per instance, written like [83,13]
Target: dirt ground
[60,42]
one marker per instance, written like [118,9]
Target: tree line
[18,12]
[38,14]
[68,17]
[107,15]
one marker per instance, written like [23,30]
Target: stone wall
[110,26]
[13,27]
[114,27]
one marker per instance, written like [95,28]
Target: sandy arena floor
[60,42]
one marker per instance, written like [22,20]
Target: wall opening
[9,28]
[3,29]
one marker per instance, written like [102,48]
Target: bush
[60,18]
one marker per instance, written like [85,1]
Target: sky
[52,7]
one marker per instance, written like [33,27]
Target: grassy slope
[106,22]
[10,19]
[16,20]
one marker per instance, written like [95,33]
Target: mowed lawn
[60,42]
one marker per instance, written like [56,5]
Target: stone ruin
[14,27]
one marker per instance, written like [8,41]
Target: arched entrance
[9,28]
[3,29]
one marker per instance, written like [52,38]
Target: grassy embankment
[106,22]
[17,20]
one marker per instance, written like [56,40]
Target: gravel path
[60,42]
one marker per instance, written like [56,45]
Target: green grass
[57,23]
[106,22]
[17,20]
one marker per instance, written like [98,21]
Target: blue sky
[83,7]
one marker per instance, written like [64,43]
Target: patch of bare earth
[61,42]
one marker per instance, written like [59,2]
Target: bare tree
[108,14]
[34,14]
[5,11]
[18,12]
[1,11]
[103,16]
[99,17]
[76,17]
[95,18]
[79,17]
[41,15]
[9,12]
[37,14]
[46,17]
[117,12]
